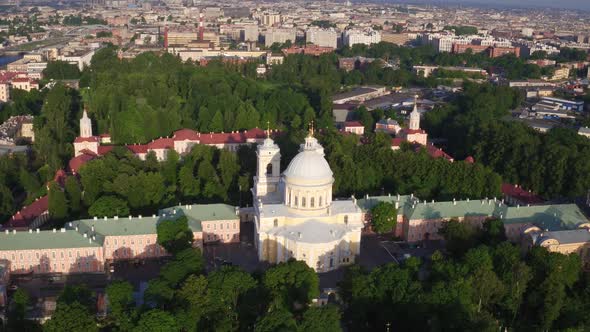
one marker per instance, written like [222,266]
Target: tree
[156,321]
[17,311]
[174,234]
[74,194]
[459,236]
[58,204]
[120,297]
[321,319]
[61,70]
[186,262]
[109,206]
[277,320]
[384,217]
[292,283]
[6,202]
[71,317]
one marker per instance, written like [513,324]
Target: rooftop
[60,239]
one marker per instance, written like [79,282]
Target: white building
[367,36]
[278,35]
[295,216]
[322,37]
[79,58]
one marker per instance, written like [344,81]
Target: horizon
[532,4]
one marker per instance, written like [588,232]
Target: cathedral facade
[295,216]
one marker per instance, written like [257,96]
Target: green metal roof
[369,202]
[45,240]
[205,212]
[450,209]
[547,217]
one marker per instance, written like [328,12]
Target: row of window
[79,267]
[215,237]
[147,241]
[221,226]
[37,256]
[304,201]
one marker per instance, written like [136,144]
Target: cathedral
[295,216]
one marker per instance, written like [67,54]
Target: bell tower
[85,125]
[268,171]
[415,116]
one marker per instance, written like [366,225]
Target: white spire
[85,125]
[415,116]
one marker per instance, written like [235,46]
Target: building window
[227,236]
[320,202]
[220,226]
[276,223]
[312,202]
[296,201]
[269,169]
[346,220]
[302,201]
[234,225]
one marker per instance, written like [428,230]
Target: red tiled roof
[7,76]
[28,213]
[435,152]
[161,143]
[104,149]
[137,148]
[185,134]
[353,124]
[76,163]
[470,160]
[60,177]
[22,79]
[518,193]
[86,139]
[397,141]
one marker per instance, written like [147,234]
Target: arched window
[346,220]
[312,202]
[296,201]
[303,201]
[289,201]
[269,169]
[276,223]
[320,202]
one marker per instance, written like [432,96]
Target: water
[5,59]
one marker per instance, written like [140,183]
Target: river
[8,59]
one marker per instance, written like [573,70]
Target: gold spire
[311,129]
[267,129]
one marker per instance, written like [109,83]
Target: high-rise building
[322,37]
[278,35]
[366,36]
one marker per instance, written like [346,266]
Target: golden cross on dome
[267,129]
[311,129]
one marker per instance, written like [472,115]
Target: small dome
[309,165]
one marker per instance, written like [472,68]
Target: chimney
[299,234]
[63,230]
[95,218]
[37,230]
[14,231]
[116,217]
[130,217]
[105,218]
[30,231]
[139,216]
[153,215]
[6,231]
[397,205]
[54,230]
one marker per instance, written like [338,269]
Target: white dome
[309,165]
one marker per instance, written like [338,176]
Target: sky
[568,4]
